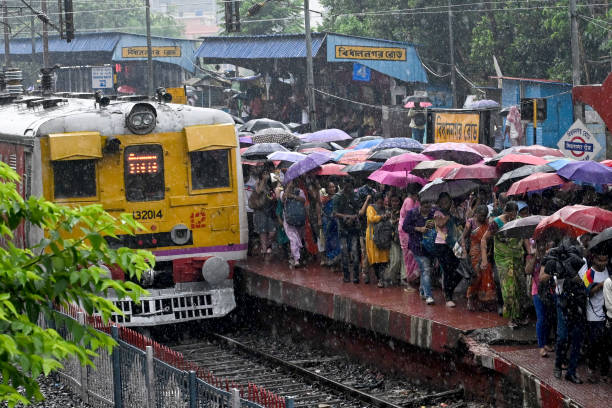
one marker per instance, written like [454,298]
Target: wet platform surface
[400,312]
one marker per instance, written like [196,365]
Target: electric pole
[45,35]
[574,43]
[309,70]
[452,54]
[149,50]
[7,40]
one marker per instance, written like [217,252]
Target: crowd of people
[370,232]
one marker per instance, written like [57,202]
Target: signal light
[232,16]
[69,20]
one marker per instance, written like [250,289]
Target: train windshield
[210,169]
[74,178]
[144,173]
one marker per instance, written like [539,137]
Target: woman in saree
[411,269]
[482,288]
[330,226]
[508,255]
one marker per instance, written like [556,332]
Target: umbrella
[427,168]
[317,150]
[443,171]
[521,227]
[484,150]
[410,100]
[399,179]
[535,182]
[422,104]
[246,140]
[331,169]
[358,140]
[577,220]
[368,144]
[126,89]
[310,145]
[286,156]
[305,165]
[514,160]
[603,238]
[276,135]
[400,143]
[351,156]
[383,155]
[478,171]
[607,163]
[558,164]
[255,125]
[537,150]
[506,180]
[455,188]
[589,172]
[483,104]
[327,135]
[404,162]
[458,152]
[336,146]
[360,168]
[261,151]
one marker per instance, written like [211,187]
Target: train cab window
[210,169]
[144,173]
[74,178]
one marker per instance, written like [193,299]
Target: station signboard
[456,127]
[579,143]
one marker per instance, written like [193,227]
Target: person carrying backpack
[294,219]
[417,122]
[377,257]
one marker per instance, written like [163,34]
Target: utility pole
[149,50]
[452,54]
[574,43]
[312,117]
[45,35]
[7,40]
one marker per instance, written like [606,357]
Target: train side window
[74,178]
[210,169]
[144,173]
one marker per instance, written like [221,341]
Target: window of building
[210,169]
[74,178]
[144,173]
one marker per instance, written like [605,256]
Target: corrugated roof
[258,46]
[548,81]
[93,42]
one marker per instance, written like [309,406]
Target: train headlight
[215,270]
[180,234]
[141,120]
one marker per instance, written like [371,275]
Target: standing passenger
[411,269]
[294,221]
[346,211]
[377,257]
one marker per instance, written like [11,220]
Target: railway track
[312,381]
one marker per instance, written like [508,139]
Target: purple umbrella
[303,166]
[399,179]
[246,140]
[589,172]
[327,135]
[405,162]
[400,143]
[286,156]
[484,104]
[457,152]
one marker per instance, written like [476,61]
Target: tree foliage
[529,38]
[63,268]
[275,17]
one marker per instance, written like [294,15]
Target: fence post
[193,394]
[235,398]
[83,368]
[288,402]
[117,369]
[150,378]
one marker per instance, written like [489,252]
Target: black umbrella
[506,180]
[383,155]
[363,168]
[261,151]
[310,145]
[521,227]
[254,125]
[603,241]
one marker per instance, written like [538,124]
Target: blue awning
[258,46]
[94,42]
[393,58]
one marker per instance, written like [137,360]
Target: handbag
[465,269]
[429,240]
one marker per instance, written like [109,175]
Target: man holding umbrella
[417,122]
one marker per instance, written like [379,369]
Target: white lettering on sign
[101,77]
[579,143]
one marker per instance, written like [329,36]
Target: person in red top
[256,107]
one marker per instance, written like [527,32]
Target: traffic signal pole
[149,50]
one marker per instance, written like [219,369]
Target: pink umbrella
[443,171]
[422,104]
[399,179]
[458,152]
[315,150]
[535,182]
[478,171]
[485,150]
[331,169]
[514,160]
[354,156]
[537,150]
[607,163]
[576,220]
[405,162]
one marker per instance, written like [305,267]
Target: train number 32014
[147,214]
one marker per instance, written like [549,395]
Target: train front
[177,170]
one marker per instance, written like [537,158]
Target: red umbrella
[514,160]
[484,150]
[540,151]
[126,89]
[443,171]
[535,182]
[404,162]
[479,171]
[354,156]
[331,169]
[399,179]
[577,220]
[607,163]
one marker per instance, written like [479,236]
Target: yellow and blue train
[176,168]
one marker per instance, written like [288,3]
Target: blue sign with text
[361,73]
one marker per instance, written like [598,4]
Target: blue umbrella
[586,172]
[368,144]
[558,164]
[303,166]
[400,143]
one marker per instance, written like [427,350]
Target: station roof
[546,81]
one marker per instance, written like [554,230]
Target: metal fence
[131,377]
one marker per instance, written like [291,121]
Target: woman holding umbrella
[377,257]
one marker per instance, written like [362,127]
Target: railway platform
[480,340]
